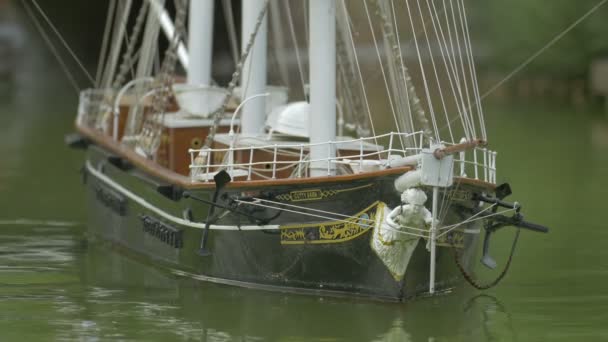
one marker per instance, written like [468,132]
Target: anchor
[497,221]
[221,179]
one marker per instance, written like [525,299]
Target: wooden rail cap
[441,153]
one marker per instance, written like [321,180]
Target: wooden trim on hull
[174,178]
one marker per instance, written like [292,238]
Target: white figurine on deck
[394,241]
[413,213]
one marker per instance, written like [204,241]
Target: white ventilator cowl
[290,119]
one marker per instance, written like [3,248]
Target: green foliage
[514,30]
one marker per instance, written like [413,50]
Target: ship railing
[362,155]
[92,105]
[478,163]
[290,160]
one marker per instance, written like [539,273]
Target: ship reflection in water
[55,286]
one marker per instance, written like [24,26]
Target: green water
[54,286]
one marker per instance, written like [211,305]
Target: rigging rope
[539,52]
[51,47]
[449,66]
[432,57]
[426,87]
[352,41]
[104,43]
[471,59]
[388,91]
[405,73]
[217,115]
[296,46]
[231,28]
[65,44]
[468,112]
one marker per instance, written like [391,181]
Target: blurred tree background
[508,33]
[505,34]
[514,30]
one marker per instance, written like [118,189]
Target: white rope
[331,213]
[405,78]
[396,230]
[388,91]
[539,52]
[104,44]
[472,70]
[311,209]
[469,60]
[51,47]
[428,43]
[295,45]
[65,44]
[426,87]
[543,49]
[231,28]
[443,43]
[352,41]
[453,62]
[472,219]
[468,114]
[300,213]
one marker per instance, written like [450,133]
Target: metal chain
[149,139]
[218,114]
[347,82]
[128,55]
[469,277]
[127,61]
[404,78]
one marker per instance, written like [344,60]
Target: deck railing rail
[480,163]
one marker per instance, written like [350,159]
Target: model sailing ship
[245,185]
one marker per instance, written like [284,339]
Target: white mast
[200,42]
[322,82]
[254,69]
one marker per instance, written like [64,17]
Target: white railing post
[191,152]
[390,145]
[250,163]
[485,164]
[475,165]
[208,152]
[230,157]
[462,159]
[329,158]
[274,163]
[360,155]
[301,162]
[494,167]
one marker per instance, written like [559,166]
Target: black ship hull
[266,247]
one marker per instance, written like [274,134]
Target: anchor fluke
[486,259]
